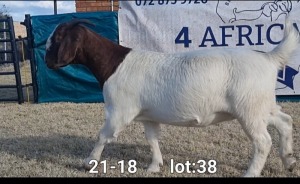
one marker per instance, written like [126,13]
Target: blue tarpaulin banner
[73,83]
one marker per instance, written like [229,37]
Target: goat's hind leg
[152,131]
[284,125]
[113,125]
[262,142]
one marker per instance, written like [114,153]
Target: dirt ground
[52,139]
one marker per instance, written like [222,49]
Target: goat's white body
[197,89]
[193,89]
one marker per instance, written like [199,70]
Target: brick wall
[95,5]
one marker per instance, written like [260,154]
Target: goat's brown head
[63,45]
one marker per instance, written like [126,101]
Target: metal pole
[112,5]
[5,46]
[27,23]
[55,7]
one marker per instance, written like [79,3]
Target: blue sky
[18,9]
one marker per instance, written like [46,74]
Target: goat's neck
[103,57]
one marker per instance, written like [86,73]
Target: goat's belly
[188,121]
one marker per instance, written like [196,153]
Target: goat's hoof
[153,168]
[290,163]
[250,175]
[87,164]
[292,167]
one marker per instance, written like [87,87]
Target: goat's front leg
[106,135]
[152,131]
[114,124]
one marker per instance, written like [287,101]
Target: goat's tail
[282,52]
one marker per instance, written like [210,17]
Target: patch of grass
[52,139]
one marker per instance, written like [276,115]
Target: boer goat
[194,89]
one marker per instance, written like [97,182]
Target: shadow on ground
[53,148]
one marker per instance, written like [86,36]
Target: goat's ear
[67,50]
